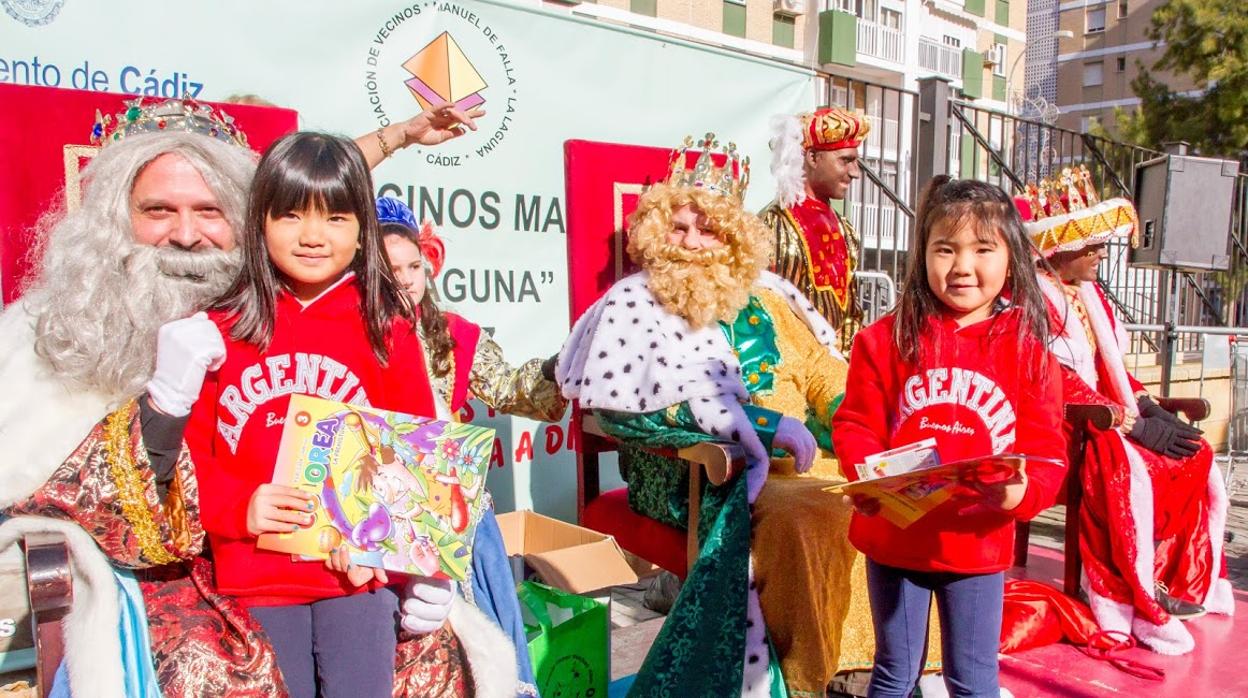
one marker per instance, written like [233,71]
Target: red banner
[45,141]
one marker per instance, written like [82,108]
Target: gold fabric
[520,392]
[812,583]
[791,260]
[107,487]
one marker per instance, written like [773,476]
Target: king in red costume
[815,159]
[1154,507]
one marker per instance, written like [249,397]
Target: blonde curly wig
[702,286]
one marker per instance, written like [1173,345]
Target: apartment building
[878,50]
[1088,74]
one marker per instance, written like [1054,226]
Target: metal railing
[1011,150]
[880,205]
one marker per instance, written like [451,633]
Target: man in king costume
[705,344]
[1154,509]
[86,455]
[814,158]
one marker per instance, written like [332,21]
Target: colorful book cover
[403,493]
[908,497]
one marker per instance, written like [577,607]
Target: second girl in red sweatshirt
[959,363]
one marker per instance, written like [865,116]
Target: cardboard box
[563,555]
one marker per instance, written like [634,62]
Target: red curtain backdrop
[45,134]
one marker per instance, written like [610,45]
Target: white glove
[794,437]
[185,351]
[426,604]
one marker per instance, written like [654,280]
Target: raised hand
[185,351]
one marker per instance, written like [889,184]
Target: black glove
[548,368]
[1148,408]
[1165,438]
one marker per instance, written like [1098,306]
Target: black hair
[949,202]
[317,171]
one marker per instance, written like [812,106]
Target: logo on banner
[432,53]
[32,13]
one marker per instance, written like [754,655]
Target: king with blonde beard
[704,344]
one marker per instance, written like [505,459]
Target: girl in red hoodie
[315,311]
[962,360]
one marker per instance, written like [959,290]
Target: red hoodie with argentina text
[235,428]
[980,390]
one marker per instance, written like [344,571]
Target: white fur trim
[1221,598]
[1141,500]
[1111,341]
[92,645]
[1109,614]
[801,305]
[787,158]
[491,655]
[41,420]
[1171,638]
[1070,344]
[755,677]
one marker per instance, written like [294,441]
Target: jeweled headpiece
[1066,214]
[185,115]
[834,128]
[729,179]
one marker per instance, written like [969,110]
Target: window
[734,18]
[1122,9]
[890,19]
[845,6]
[952,41]
[1120,64]
[649,8]
[782,30]
[1088,124]
[868,9]
[1095,20]
[1093,74]
[839,96]
[998,60]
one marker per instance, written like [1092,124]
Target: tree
[1207,40]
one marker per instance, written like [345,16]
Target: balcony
[940,59]
[879,41]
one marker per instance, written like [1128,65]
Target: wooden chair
[49,588]
[603,183]
[1083,419]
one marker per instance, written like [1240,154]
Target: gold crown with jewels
[729,179]
[1067,214]
[162,115]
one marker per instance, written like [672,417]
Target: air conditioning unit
[990,58]
[791,8]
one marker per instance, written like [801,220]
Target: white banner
[542,75]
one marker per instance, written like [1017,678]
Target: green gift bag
[567,636]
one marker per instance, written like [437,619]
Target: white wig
[787,159]
[99,297]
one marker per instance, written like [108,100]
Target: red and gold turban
[834,128]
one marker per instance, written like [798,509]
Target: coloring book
[403,493]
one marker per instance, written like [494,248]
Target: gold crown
[185,115]
[1067,214]
[731,179]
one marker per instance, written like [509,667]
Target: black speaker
[1185,207]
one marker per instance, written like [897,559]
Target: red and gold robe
[1146,518]
[817,251]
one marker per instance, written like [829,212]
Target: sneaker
[1183,610]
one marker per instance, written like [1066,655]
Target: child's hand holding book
[278,509]
[339,560]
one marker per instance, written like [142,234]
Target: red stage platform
[1214,669]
